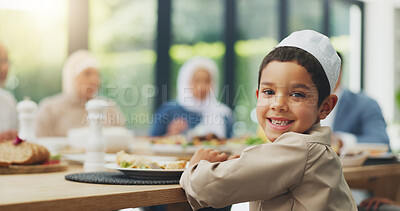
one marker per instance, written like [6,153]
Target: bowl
[354,159]
[117,138]
[53,144]
[374,149]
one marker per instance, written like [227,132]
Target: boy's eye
[297,94]
[268,92]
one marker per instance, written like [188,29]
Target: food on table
[20,152]
[351,154]
[206,140]
[254,141]
[53,159]
[249,140]
[126,160]
[176,139]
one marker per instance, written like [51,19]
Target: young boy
[299,170]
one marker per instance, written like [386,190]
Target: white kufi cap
[320,47]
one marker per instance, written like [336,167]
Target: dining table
[51,191]
[383,180]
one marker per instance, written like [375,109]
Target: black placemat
[115,178]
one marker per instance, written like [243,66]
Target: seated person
[196,111]
[357,118]
[65,111]
[8,105]
[298,170]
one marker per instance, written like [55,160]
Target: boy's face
[287,99]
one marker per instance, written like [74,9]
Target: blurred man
[356,118]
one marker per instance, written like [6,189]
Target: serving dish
[354,160]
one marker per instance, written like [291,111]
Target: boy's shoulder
[316,134]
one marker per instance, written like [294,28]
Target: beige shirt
[296,172]
[60,113]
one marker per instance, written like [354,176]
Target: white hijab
[213,113]
[75,64]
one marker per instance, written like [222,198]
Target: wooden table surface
[371,171]
[383,180]
[50,191]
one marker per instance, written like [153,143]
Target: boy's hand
[233,157]
[210,155]
[375,201]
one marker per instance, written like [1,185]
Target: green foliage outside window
[398,98]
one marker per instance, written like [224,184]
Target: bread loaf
[24,153]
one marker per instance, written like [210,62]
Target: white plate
[53,144]
[372,148]
[111,158]
[174,149]
[147,173]
[354,160]
[179,149]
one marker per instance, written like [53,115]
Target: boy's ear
[257,93]
[327,106]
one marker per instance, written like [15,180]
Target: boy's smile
[287,99]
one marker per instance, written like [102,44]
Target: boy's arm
[209,155]
[261,173]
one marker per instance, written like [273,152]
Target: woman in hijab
[196,111]
[65,111]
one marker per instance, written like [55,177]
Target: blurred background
[141,45]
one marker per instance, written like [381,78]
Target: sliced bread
[24,153]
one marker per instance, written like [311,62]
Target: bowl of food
[53,144]
[355,158]
[179,144]
[374,149]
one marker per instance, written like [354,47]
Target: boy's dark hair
[306,60]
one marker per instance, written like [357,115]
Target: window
[305,14]
[257,35]
[122,34]
[35,34]
[346,30]
[197,30]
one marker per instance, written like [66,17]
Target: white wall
[379,80]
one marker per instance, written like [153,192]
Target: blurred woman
[8,104]
[65,111]
[196,111]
